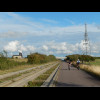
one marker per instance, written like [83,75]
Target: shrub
[37,58]
[7,64]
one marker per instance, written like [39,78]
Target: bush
[37,58]
[7,64]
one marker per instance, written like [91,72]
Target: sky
[57,33]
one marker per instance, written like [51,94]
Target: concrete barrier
[50,81]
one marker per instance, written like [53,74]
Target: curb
[50,81]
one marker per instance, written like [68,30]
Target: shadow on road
[94,77]
[68,69]
[72,68]
[60,84]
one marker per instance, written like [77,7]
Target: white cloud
[17,24]
[91,47]
[45,47]
[95,48]
[24,26]
[14,46]
[51,47]
[30,48]
[22,47]
[12,34]
[50,21]
[67,48]
[59,48]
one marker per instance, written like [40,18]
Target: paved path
[75,78]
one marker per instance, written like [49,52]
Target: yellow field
[93,69]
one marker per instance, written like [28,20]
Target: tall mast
[86,42]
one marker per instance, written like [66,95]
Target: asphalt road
[75,78]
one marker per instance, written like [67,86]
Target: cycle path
[75,77]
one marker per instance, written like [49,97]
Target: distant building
[18,56]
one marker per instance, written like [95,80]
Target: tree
[1,54]
[86,58]
[5,53]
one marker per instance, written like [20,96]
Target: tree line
[34,58]
[82,58]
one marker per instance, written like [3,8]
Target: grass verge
[96,62]
[93,70]
[21,67]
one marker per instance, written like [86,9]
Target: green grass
[9,78]
[96,62]
[42,77]
[35,83]
[7,64]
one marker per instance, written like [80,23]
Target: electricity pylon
[86,43]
